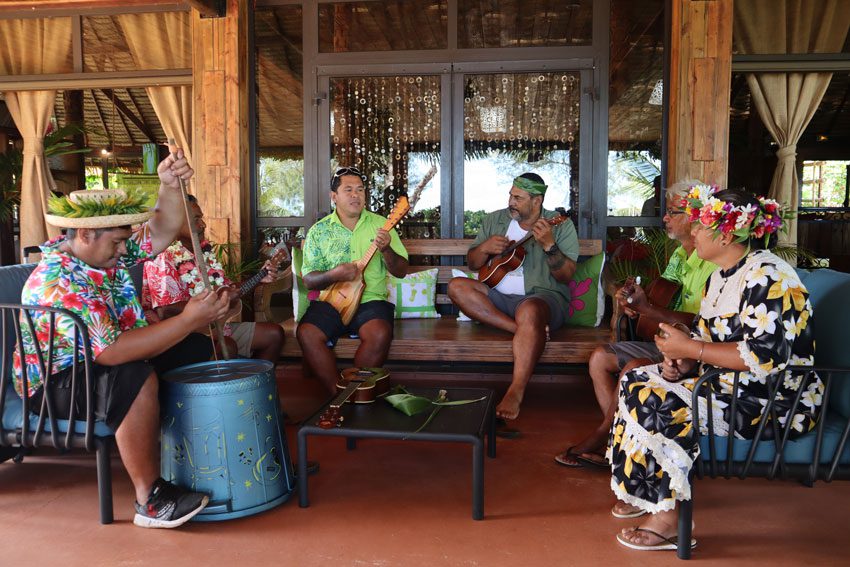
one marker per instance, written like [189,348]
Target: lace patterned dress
[758,304]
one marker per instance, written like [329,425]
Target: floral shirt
[104,299]
[761,305]
[172,277]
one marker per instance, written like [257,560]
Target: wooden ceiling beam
[98,80]
[130,115]
[57,8]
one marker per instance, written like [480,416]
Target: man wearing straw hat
[85,271]
[533,297]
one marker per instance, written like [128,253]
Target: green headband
[530,186]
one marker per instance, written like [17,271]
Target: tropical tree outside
[630,176]
[280,187]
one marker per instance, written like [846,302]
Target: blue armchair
[821,454]
[19,435]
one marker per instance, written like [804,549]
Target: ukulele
[278,255]
[345,296]
[499,266]
[364,384]
[660,292]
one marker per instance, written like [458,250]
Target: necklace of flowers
[184,262]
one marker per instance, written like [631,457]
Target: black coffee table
[456,424]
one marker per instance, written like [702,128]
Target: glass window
[120,43]
[280,112]
[383,26]
[635,111]
[389,128]
[821,149]
[515,123]
[524,23]
[824,184]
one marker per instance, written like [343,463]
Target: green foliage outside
[630,175]
[280,187]
[834,175]
[472,222]
[11,165]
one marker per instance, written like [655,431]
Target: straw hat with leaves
[107,208]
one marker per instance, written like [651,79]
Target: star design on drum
[248,484]
[240,402]
[268,417]
[240,436]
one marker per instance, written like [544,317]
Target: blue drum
[221,434]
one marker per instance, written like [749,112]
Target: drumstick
[200,263]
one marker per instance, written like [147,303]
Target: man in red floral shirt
[85,271]
[172,279]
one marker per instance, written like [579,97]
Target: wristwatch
[552,250]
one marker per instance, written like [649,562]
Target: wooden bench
[450,340]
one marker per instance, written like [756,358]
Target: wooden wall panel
[700,76]
[220,128]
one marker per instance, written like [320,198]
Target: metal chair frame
[25,438]
[710,465]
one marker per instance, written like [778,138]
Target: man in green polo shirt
[532,297]
[608,361]
[331,250]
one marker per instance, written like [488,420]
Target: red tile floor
[408,504]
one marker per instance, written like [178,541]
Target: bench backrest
[457,248]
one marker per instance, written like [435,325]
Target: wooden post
[220,123]
[73,103]
[700,77]
[7,229]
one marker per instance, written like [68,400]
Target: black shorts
[116,387]
[325,316]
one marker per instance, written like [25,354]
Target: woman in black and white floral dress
[755,317]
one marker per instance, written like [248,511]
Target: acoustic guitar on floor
[499,266]
[345,296]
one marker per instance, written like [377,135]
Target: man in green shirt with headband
[533,297]
[331,250]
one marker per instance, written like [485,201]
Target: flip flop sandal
[505,432]
[561,459]
[666,543]
[620,516]
[581,461]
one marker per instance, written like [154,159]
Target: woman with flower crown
[755,317]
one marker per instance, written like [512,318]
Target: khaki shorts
[243,334]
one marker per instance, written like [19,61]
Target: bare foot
[508,408]
[623,510]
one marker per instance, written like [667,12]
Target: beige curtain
[164,41]
[786,102]
[30,47]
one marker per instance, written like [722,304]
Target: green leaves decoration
[134,202]
[411,405]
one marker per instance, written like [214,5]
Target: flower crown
[744,221]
